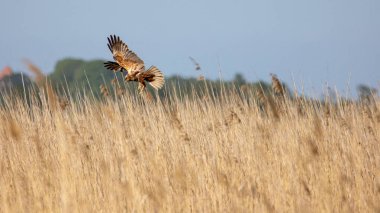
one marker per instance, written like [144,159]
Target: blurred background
[314,44]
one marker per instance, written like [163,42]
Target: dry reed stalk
[318,131]
[262,101]
[232,118]
[367,112]
[104,90]
[180,182]
[40,77]
[14,129]
[63,103]
[260,165]
[244,88]
[148,96]
[261,96]
[114,81]
[268,204]
[377,117]
[300,104]
[306,187]
[178,125]
[273,107]
[327,113]
[269,101]
[42,83]
[277,86]
[313,146]
[119,92]
[201,78]
[369,119]
[344,124]
[51,96]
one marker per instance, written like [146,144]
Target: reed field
[244,150]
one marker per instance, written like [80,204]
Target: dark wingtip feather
[110,40]
[114,39]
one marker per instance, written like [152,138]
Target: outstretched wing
[123,56]
[115,44]
[113,66]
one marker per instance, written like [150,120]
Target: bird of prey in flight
[128,61]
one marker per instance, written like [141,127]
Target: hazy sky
[313,42]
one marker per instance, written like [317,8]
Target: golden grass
[204,154]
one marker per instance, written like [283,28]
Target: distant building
[6,71]
[5,75]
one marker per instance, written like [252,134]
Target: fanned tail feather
[156,78]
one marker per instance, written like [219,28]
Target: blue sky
[311,43]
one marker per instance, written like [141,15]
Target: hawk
[128,61]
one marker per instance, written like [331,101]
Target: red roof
[6,71]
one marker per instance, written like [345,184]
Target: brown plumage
[126,60]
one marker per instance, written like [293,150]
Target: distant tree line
[75,76]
